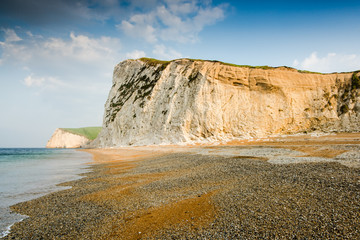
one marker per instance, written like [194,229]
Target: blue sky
[57,56]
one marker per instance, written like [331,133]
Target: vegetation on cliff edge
[88,132]
[355,80]
[155,62]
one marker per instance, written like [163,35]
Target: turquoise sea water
[28,173]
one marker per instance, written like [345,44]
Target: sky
[57,56]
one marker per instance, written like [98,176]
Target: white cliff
[154,102]
[64,139]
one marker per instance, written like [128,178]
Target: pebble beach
[300,188]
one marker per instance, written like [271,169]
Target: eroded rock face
[190,101]
[63,139]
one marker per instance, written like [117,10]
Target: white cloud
[181,7]
[296,63]
[81,62]
[166,53]
[332,62]
[11,36]
[33,81]
[11,48]
[51,53]
[45,82]
[139,25]
[82,47]
[135,54]
[77,48]
[176,20]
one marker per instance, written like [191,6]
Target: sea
[29,173]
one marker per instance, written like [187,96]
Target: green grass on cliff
[156,62]
[247,66]
[305,71]
[88,132]
[355,80]
[232,65]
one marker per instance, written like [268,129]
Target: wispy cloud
[44,82]
[332,62]
[82,47]
[136,54]
[79,61]
[76,47]
[33,81]
[10,35]
[166,53]
[176,20]
[140,25]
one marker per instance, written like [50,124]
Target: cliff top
[155,62]
[88,132]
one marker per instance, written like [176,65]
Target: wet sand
[298,187]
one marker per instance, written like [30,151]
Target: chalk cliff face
[153,102]
[64,139]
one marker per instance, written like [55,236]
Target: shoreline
[30,173]
[216,191]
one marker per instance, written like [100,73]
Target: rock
[64,139]
[183,101]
